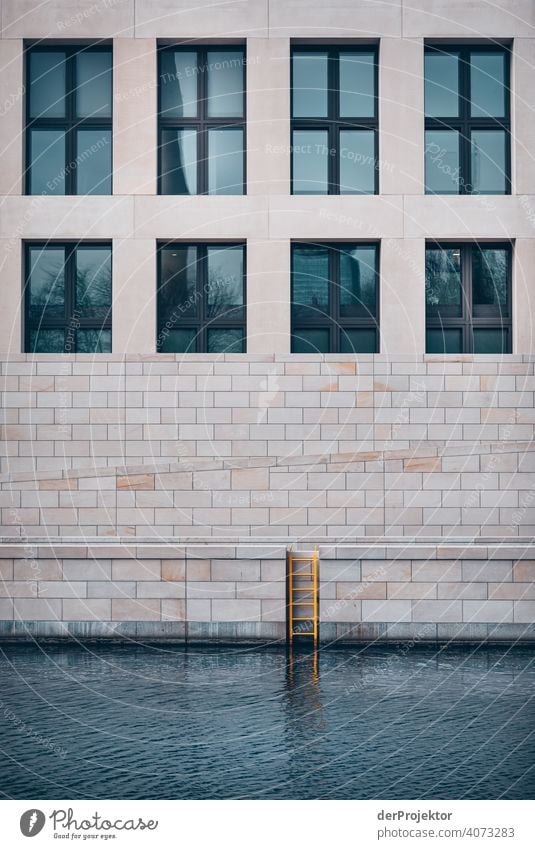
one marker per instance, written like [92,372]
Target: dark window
[201,298]
[334,120]
[335,298]
[468,298]
[69,120]
[68,298]
[467,127]
[201,121]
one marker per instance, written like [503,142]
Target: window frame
[70,246]
[202,323]
[464,123]
[333,122]
[332,319]
[202,123]
[493,319]
[70,123]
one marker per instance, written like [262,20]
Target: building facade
[267,279]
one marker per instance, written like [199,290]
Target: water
[151,722]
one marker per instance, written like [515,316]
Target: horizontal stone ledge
[268,634]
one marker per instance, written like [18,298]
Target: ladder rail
[311,587]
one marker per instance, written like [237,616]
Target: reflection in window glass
[225,280]
[441,85]
[310,341]
[178,162]
[93,84]
[489,276]
[443,280]
[47,162]
[225,341]
[358,282]
[310,71]
[310,281]
[47,84]
[178,83]
[93,341]
[44,341]
[178,277]
[93,158]
[490,340]
[93,281]
[357,85]
[362,340]
[357,162]
[444,341]
[225,83]
[488,162]
[442,162]
[47,281]
[487,84]
[225,162]
[180,341]
[310,162]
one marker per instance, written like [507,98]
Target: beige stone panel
[202,19]
[524,293]
[487,611]
[131,609]
[67,19]
[11,116]
[268,116]
[401,122]
[402,296]
[523,117]
[10,314]
[473,19]
[200,217]
[90,217]
[79,610]
[335,217]
[335,19]
[134,116]
[268,314]
[134,297]
[235,610]
[467,217]
[37,609]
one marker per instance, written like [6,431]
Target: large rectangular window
[68,298]
[69,120]
[334,120]
[335,298]
[201,120]
[467,122]
[201,298]
[468,298]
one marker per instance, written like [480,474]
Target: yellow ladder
[303,594]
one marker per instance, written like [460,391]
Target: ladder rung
[303,634]
[302,618]
[302,574]
[301,603]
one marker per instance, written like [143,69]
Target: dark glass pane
[442,85]
[359,340]
[225,83]
[310,341]
[358,282]
[488,161]
[47,84]
[179,162]
[93,341]
[487,85]
[179,71]
[310,153]
[177,292]
[225,162]
[491,340]
[178,341]
[444,341]
[357,85]
[309,85]
[93,162]
[489,277]
[46,341]
[310,281]
[225,341]
[93,282]
[47,162]
[443,280]
[93,84]
[47,282]
[442,162]
[357,162]
[225,280]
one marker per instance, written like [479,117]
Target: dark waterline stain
[159,722]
